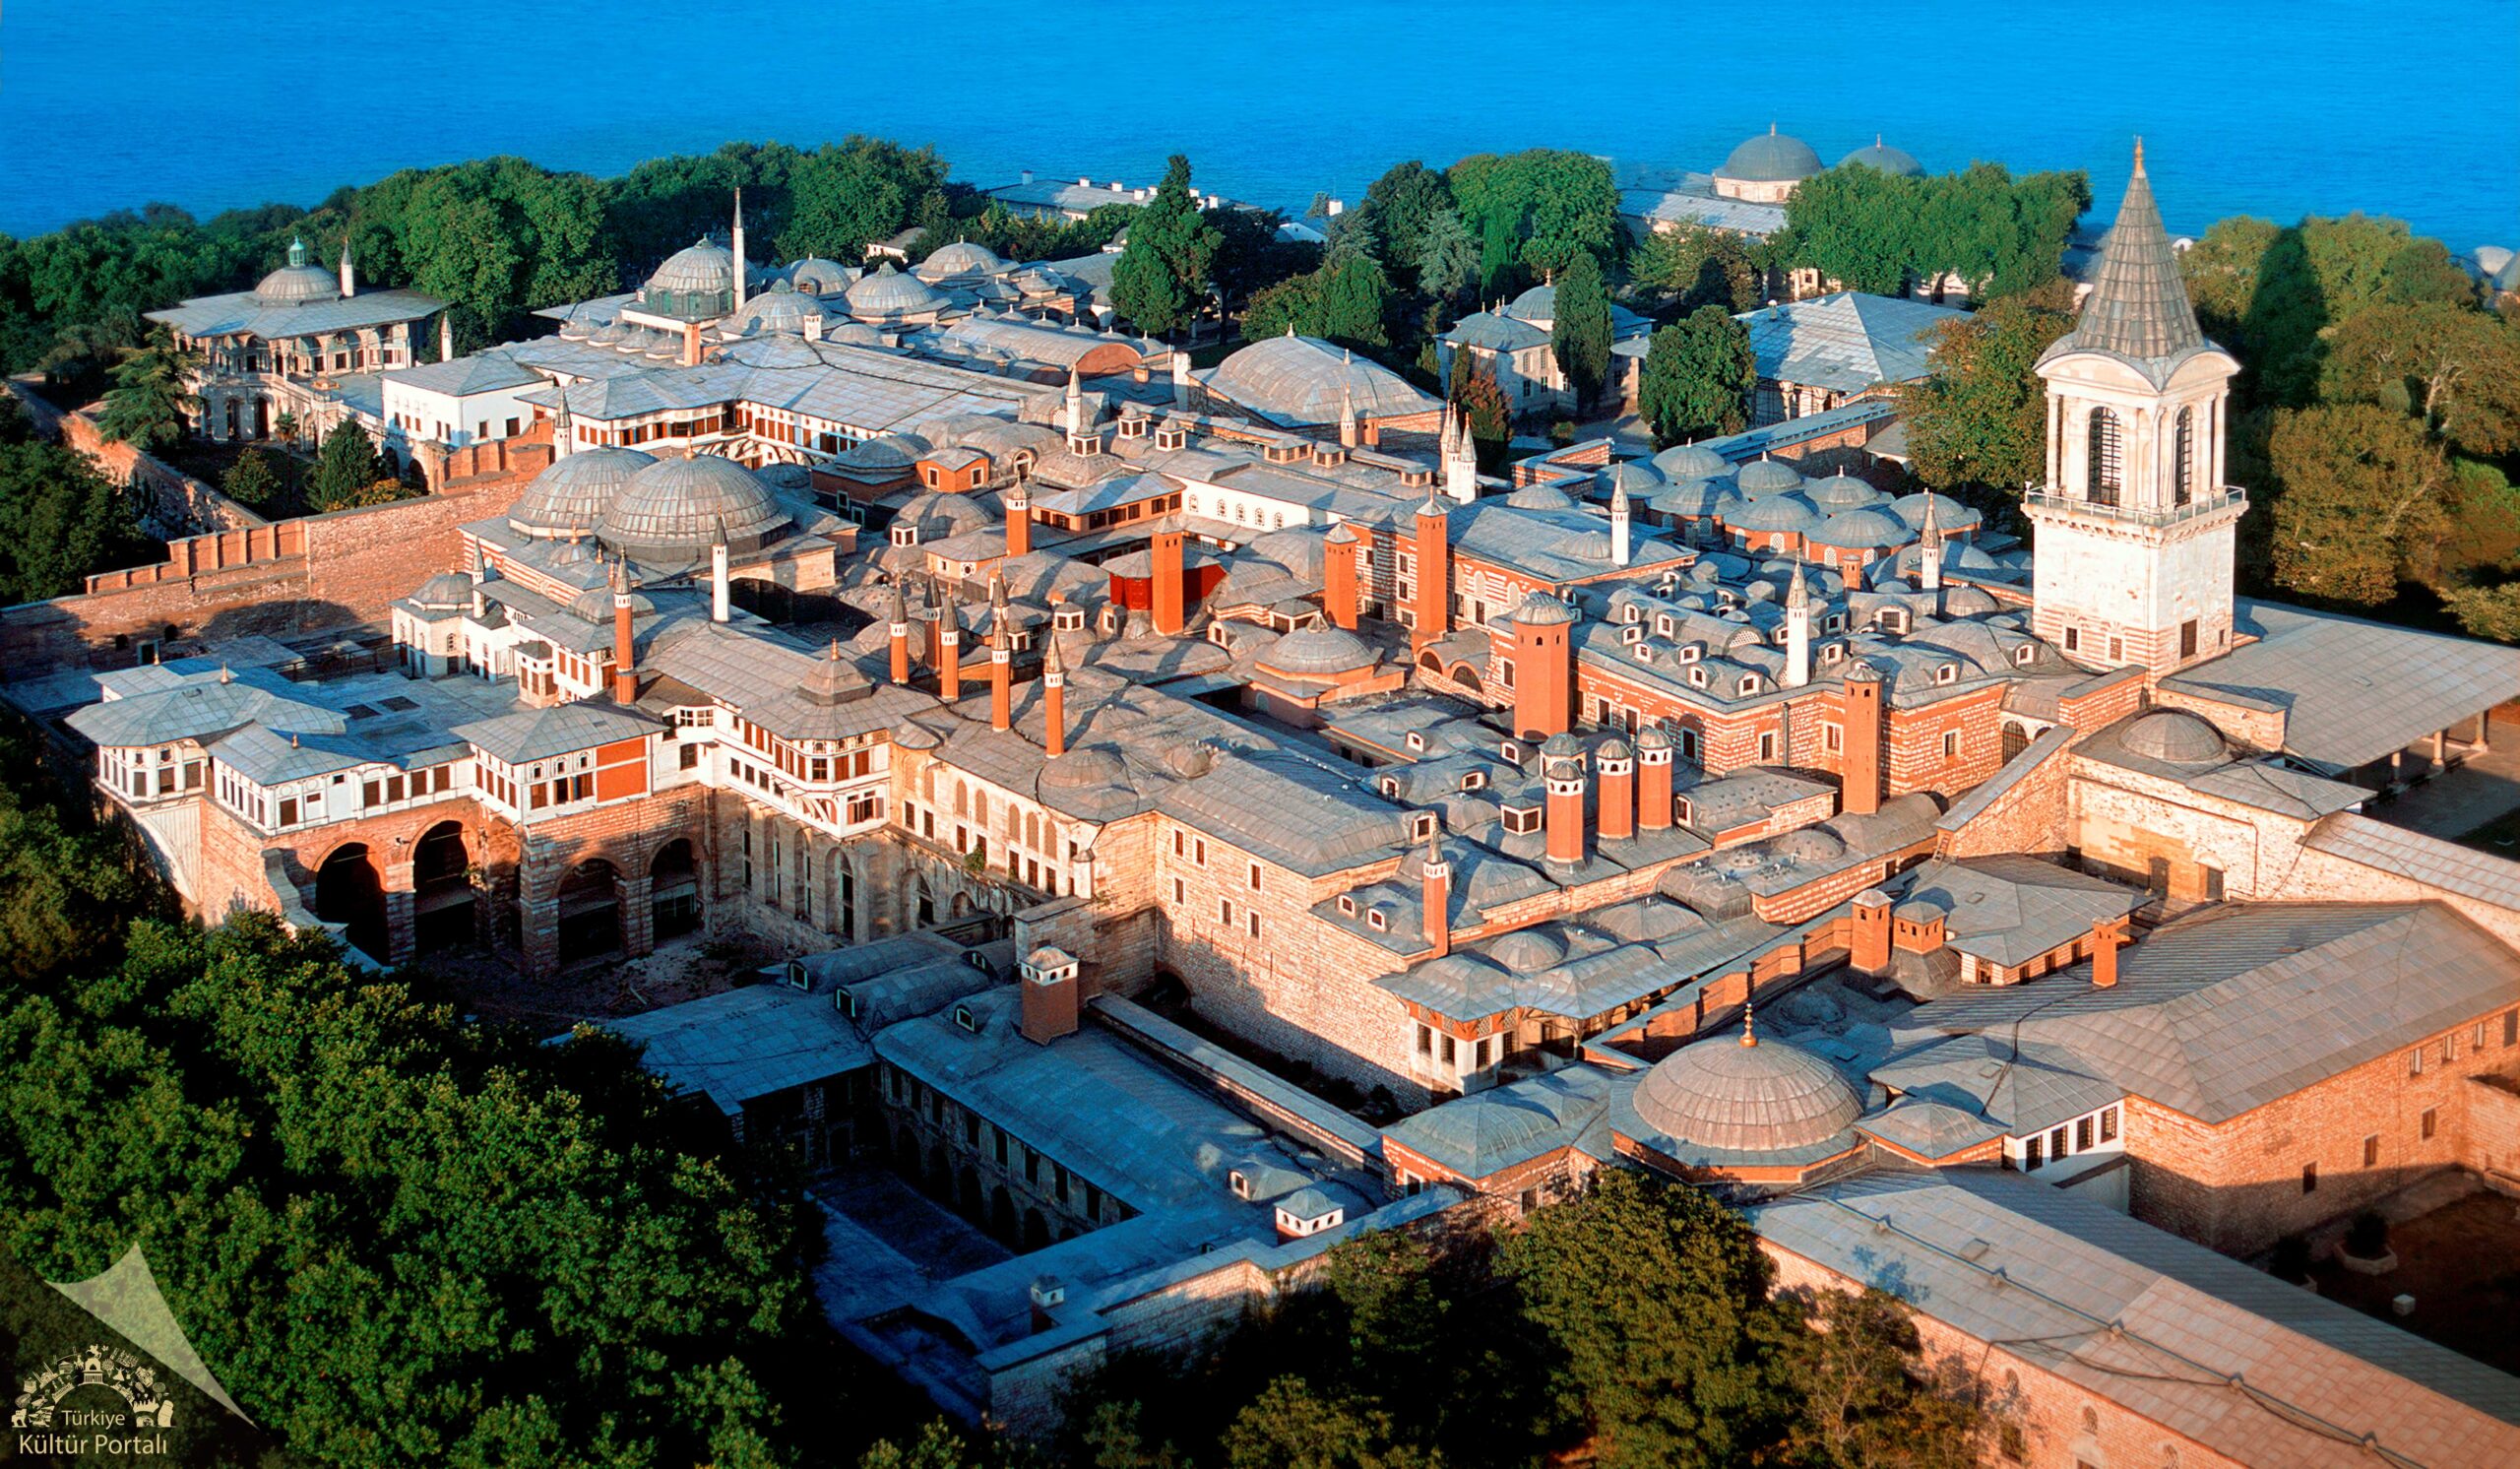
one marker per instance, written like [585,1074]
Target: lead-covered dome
[961,258]
[1303,380]
[1766,476]
[571,494]
[1317,652]
[2174,737]
[675,508]
[889,294]
[1720,1099]
[705,266]
[1691,462]
[1894,161]
[296,284]
[1770,158]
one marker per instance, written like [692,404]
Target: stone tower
[2134,527]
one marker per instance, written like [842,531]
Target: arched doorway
[349,891]
[441,889]
[2016,738]
[1037,1232]
[1467,679]
[1001,1215]
[589,911]
[673,884]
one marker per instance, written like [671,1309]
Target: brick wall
[172,503]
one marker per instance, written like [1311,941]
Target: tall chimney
[1797,630]
[625,667]
[1617,800]
[691,344]
[1050,999]
[1868,948]
[1860,767]
[1434,567]
[1653,779]
[720,587]
[1169,589]
[1339,576]
[349,273]
[1018,518]
[1002,693]
[949,659]
[1564,816]
[2105,935]
[899,630]
[1620,525]
[1542,703]
[1180,379]
[1435,896]
[1053,698]
[737,250]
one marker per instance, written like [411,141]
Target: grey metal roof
[1725,1097]
[746,1044]
[2255,1370]
[2010,908]
[238,313]
[2138,307]
[680,506]
[1301,380]
[1847,342]
[2353,691]
[1292,811]
[477,372]
[204,704]
[540,734]
[2233,1007]
[766,679]
[1770,158]
[1928,1129]
[2426,860]
[1486,1133]
[1704,207]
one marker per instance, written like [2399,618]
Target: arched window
[2103,475]
[2184,459]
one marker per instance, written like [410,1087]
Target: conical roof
[2138,307]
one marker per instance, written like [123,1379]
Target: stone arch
[589,911]
[961,907]
[673,890]
[2103,465]
[1037,1232]
[1001,1215]
[2016,738]
[1468,678]
[349,890]
[922,906]
[1431,660]
[442,899]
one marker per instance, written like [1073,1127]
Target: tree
[1579,333]
[1289,1426]
[2457,369]
[1447,262]
[1343,301]
[1162,273]
[345,468]
[1697,266]
[1534,211]
[1870,230]
[2358,501]
[1866,1397]
[1655,1297]
[1698,377]
[1979,416]
[1398,210]
[1484,407]
[152,401]
[844,197]
[1250,255]
[2272,293]
[61,519]
[254,481]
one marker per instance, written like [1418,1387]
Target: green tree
[844,197]
[1534,211]
[1250,255]
[152,401]
[1697,266]
[1698,377]
[2358,501]
[1484,407]
[254,481]
[1874,231]
[1162,273]
[1867,1397]
[60,520]
[1447,262]
[1979,417]
[2272,293]
[1398,210]
[1344,301]
[345,468]
[2457,369]
[1579,333]
[1656,1299]
[1291,1426]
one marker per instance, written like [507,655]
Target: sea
[2409,109]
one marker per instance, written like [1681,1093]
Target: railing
[2232,498]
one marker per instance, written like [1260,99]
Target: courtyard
[2461,1262]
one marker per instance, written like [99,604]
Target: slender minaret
[1797,630]
[738,251]
[445,335]
[564,429]
[1619,525]
[1461,465]
[1930,554]
[1053,698]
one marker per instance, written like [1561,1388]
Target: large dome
[675,508]
[1691,462]
[961,258]
[1317,652]
[704,266]
[1303,380]
[297,284]
[1731,1097]
[1771,157]
[889,294]
[782,310]
[1896,161]
[573,493]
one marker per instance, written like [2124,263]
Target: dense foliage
[1534,212]
[398,1237]
[1697,378]
[1344,301]
[1161,281]
[1880,232]
[1695,266]
[1579,335]
[61,519]
[1979,419]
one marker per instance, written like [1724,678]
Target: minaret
[742,272]
[720,587]
[1929,550]
[1075,404]
[1797,630]
[1461,465]
[899,628]
[1620,550]
[349,273]
[1053,698]
[564,430]
[445,335]
[1435,896]
[2135,532]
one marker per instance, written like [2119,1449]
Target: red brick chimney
[1868,949]
[1053,698]
[899,630]
[1001,670]
[1542,667]
[948,642]
[1617,799]
[2105,935]
[1654,780]
[1339,576]
[1566,814]
[1435,896]
[1434,574]
[1019,519]
[1860,767]
[625,663]
[1167,553]
[1051,1000]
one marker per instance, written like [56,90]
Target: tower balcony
[2231,501]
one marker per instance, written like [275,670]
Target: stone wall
[172,502]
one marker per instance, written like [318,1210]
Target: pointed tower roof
[2138,307]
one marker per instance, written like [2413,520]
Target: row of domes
[668,508]
[1781,158]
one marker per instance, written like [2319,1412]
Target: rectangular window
[1179,895]
[1767,747]
[1426,1041]
[1224,911]
[1448,1051]
[1478,1056]
[2511,1027]
[2309,1178]
[1951,744]
[1255,877]
[2056,1144]
[2371,1151]
[2432,1122]
[2031,1158]
[2187,638]
[2415,1061]
[2108,1124]
[2073,639]
[2082,1136]
[1254,919]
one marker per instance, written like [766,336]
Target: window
[1178,893]
[1255,877]
[2031,1159]
[2082,1136]
[1951,744]
[2371,1151]
[1224,911]
[2184,459]
[2309,1178]
[2415,1061]
[1767,747]
[2108,1124]
[1254,916]
[2057,1142]
[2073,639]
[2103,475]
[2432,1122]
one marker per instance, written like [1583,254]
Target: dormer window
[1630,613]
[1521,819]
[1421,826]
[1832,651]
[1415,740]
[1473,780]
[1691,653]
[1511,749]
[1067,619]
[1948,673]
[1346,906]
[1644,651]
[1749,685]
[1390,788]
[904,535]
[964,1017]
[2025,653]
[1632,634]
[1834,622]
[1662,624]
[1697,677]
[1375,920]
[1172,436]
[1133,427]
[848,1004]
[1241,1184]
[1894,619]
[1689,811]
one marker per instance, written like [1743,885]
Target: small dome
[1722,1096]
[2508,277]
[572,492]
[2174,737]
[1695,499]
[1635,477]
[1809,844]
[961,258]
[1615,748]
[1844,493]
[1083,769]
[885,451]
[1896,161]
[1538,303]
[1770,158]
[911,737]
[684,505]
[1539,609]
[1652,738]
[594,605]
[704,266]
[815,276]
[1691,462]
[1541,498]
[1317,652]
[296,286]
[1779,512]
[890,293]
[1767,476]
[778,311]
[1862,530]
[1526,951]
[1948,513]
[447,589]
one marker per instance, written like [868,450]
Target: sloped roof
[2138,306]
[1847,342]
[748,1043]
[1505,1126]
[2008,908]
[540,734]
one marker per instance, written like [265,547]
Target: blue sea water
[2409,109]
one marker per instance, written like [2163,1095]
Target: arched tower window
[2104,473]
[2184,459]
